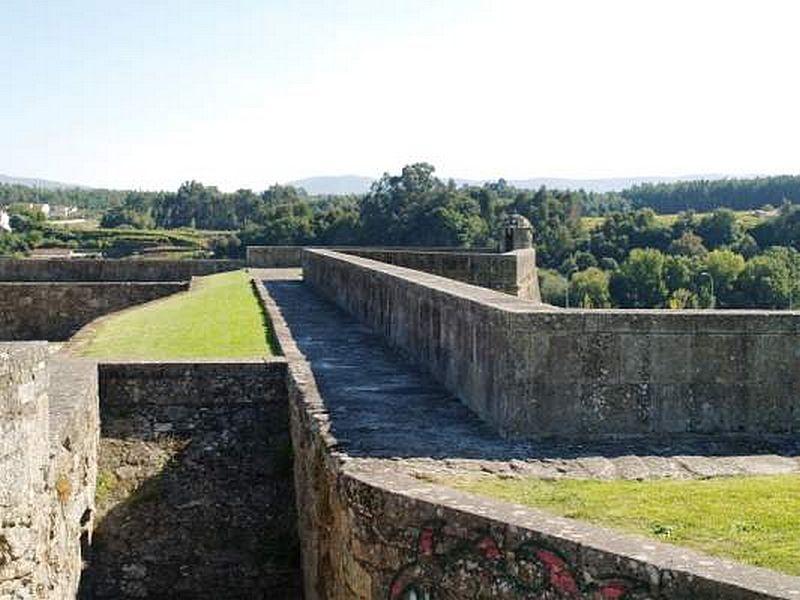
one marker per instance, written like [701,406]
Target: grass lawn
[219,318]
[755,520]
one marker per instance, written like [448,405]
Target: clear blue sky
[146,94]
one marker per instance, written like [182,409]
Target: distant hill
[357,184]
[613,184]
[39,183]
[337,185]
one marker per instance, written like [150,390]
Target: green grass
[755,520]
[219,318]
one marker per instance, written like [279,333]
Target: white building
[60,211]
[5,221]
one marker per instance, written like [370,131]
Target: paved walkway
[384,408]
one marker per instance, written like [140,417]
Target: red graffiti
[614,590]
[426,542]
[489,548]
[452,567]
[560,577]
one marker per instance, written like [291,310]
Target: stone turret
[517,234]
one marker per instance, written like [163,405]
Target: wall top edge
[222,362]
[504,302]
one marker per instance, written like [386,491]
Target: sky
[246,93]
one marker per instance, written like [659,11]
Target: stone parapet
[538,372]
[55,311]
[512,273]
[92,269]
[274,257]
[370,532]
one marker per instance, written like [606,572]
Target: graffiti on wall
[480,568]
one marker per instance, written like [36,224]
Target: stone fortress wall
[55,311]
[48,463]
[196,459]
[534,371]
[274,257]
[52,298]
[366,531]
[370,532]
[119,270]
[512,272]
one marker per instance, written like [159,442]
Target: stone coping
[477,252]
[88,283]
[195,361]
[668,571]
[73,386]
[111,269]
[668,568]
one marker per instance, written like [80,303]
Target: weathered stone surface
[534,371]
[369,531]
[511,272]
[274,257]
[197,496]
[91,269]
[54,311]
[48,416]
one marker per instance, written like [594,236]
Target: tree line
[705,195]
[208,208]
[632,258]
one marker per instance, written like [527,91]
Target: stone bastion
[533,370]
[197,451]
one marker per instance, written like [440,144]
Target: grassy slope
[746,218]
[751,519]
[219,318]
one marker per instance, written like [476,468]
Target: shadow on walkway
[382,406]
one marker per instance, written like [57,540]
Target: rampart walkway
[381,407]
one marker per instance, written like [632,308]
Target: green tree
[688,244]
[417,209]
[639,283]
[724,266]
[679,272]
[720,228]
[552,287]
[765,282]
[590,288]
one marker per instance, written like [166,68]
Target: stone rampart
[368,532]
[195,471]
[48,451]
[54,311]
[533,371]
[274,257]
[511,273]
[106,270]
